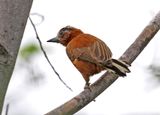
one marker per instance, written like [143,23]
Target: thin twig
[7,109]
[40,43]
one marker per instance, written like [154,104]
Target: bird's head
[65,35]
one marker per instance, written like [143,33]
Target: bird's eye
[60,34]
[63,32]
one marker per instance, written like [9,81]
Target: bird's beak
[56,40]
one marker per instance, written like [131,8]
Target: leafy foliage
[29,50]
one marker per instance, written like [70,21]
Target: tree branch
[86,96]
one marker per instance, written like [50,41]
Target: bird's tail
[118,66]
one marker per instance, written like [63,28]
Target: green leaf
[29,50]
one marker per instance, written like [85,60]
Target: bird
[89,54]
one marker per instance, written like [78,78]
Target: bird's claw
[87,86]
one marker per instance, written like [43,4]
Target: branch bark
[13,18]
[86,96]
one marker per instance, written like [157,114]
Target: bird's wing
[96,53]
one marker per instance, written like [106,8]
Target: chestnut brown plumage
[89,54]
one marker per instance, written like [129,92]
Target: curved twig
[40,43]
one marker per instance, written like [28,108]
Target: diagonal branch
[86,96]
[45,55]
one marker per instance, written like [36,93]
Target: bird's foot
[87,86]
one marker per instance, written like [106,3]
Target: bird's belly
[87,69]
